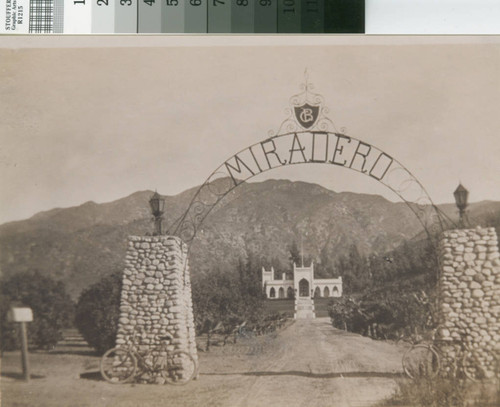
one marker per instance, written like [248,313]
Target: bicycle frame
[142,360]
[466,360]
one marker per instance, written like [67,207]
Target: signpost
[22,315]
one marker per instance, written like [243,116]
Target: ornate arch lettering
[307,136]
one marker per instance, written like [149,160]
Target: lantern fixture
[461,195]
[157,204]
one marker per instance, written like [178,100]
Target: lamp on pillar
[157,204]
[461,195]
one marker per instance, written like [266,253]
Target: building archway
[326,292]
[289,292]
[304,288]
[281,293]
[272,293]
[317,292]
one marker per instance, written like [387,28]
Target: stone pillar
[470,290]
[156,294]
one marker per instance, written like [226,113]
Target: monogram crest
[306,115]
[306,111]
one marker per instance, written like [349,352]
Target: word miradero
[308,147]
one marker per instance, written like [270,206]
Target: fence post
[24,351]
[21,315]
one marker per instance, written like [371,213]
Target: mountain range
[80,245]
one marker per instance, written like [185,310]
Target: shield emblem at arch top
[306,115]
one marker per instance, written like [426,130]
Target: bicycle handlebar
[167,337]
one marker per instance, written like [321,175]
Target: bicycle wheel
[421,361]
[180,368]
[471,367]
[474,370]
[118,365]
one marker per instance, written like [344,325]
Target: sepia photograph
[250,221]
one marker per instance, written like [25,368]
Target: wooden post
[21,315]
[24,351]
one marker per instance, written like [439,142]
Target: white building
[303,284]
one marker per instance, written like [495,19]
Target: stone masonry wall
[156,294]
[470,291]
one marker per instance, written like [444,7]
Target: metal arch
[256,159]
[251,161]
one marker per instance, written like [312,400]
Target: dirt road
[312,364]
[307,364]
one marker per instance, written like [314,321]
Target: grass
[279,305]
[443,392]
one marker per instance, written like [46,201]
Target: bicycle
[123,364]
[471,363]
[423,359]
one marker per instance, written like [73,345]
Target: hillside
[81,244]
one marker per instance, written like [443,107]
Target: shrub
[384,314]
[97,312]
[51,305]
[347,313]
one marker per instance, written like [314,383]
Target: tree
[221,301]
[216,303]
[98,311]
[51,305]
[355,271]
[295,256]
[221,297]
[394,292]
[324,268]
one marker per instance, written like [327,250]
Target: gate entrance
[306,136]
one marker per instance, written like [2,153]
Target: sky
[98,118]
